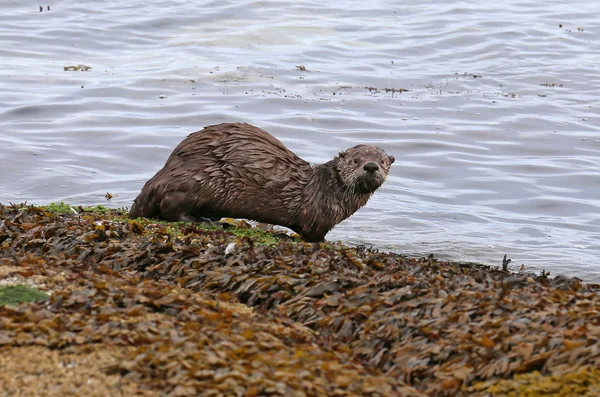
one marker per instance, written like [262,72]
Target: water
[497,141]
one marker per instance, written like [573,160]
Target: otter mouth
[368,182]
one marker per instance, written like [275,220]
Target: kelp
[326,319]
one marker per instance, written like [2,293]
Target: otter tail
[145,205]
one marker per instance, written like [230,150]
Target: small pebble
[231,248]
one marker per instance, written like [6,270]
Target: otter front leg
[180,207]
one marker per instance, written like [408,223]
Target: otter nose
[370,167]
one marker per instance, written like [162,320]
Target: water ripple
[497,139]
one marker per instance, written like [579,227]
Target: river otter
[237,170]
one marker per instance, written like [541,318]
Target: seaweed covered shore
[137,307]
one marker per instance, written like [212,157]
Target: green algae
[64,208]
[15,294]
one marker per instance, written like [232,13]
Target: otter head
[363,168]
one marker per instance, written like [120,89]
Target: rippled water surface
[497,140]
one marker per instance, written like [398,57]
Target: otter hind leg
[196,219]
[180,207]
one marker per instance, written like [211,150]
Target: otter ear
[392,159]
[342,155]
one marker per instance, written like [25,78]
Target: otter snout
[371,167]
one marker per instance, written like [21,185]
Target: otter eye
[355,161]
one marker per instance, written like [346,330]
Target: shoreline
[186,309]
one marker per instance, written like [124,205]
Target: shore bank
[138,307]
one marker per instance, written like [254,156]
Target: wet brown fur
[237,170]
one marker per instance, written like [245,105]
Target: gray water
[497,141]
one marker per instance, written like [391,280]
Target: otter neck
[326,202]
